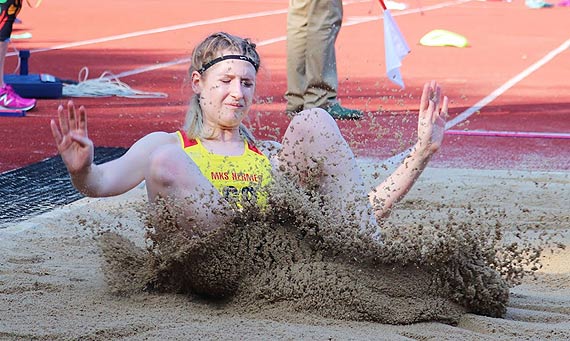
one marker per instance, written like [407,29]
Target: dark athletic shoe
[293,112]
[341,113]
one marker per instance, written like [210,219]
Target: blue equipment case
[33,85]
[12,113]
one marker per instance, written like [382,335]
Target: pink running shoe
[10,100]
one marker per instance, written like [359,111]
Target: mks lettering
[219,175]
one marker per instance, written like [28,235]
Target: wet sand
[53,272]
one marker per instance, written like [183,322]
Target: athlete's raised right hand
[73,144]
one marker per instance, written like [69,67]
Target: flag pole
[382,4]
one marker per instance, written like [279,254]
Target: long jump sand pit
[469,254]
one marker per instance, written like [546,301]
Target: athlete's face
[226,92]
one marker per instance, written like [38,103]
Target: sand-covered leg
[316,154]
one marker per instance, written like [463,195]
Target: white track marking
[492,96]
[206,22]
[501,133]
[157,30]
[350,22]
[222,20]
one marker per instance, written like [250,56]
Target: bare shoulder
[162,137]
[154,140]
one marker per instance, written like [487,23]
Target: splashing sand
[52,287]
[292,257]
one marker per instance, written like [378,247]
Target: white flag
[395,47]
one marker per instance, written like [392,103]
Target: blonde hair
[209,49]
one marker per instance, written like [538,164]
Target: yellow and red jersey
[241,177]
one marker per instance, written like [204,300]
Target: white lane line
[500,133]
[364,19]
[167,29]
[221,20]
[266,42]
[509,84]
[492,96]
[157,30]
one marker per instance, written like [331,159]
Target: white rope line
[106,85]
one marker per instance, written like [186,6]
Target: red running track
[509,89]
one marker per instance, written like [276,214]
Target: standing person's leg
[325,20]
[3,51]
[6,23]
[314,142]
[296,54]
[9,99]
[174,177]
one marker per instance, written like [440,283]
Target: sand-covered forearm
[395,187]
[89,181]
[106,180]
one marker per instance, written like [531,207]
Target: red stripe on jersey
[253,148]
[186,140]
